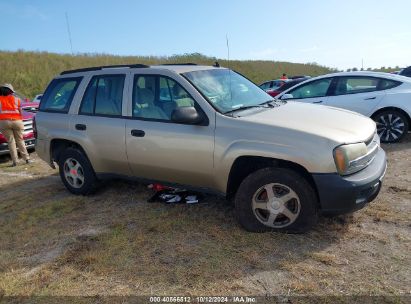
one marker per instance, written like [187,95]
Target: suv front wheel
[76,172]
[276,199]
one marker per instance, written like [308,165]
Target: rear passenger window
[59,95]
[103,96]
[354,85]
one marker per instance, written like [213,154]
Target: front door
[159,149]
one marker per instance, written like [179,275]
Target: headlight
[354,157]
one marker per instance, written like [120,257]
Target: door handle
[81,127]
[320,101]
[370,98]
[138,133]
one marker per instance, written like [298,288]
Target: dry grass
[115,243]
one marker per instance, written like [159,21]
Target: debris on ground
[172,195]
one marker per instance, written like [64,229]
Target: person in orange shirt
[284,76]
[11,123]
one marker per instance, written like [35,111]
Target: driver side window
[317,88]
[156,97]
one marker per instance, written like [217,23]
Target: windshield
[227,90]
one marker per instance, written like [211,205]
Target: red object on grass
[160,187]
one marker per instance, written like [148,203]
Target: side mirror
[186,115]
[287,96]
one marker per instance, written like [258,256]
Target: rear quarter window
[59,95]
[386,84]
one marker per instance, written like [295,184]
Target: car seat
[104,104]
[145,107]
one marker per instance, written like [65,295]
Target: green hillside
[30,72]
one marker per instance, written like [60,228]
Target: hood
[335,124]
[30,104]
[27,115]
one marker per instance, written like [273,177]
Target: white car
[37,98]
[384,97]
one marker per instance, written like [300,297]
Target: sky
[335,33]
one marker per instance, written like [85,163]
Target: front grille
[28,126]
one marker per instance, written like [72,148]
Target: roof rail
[104,67]
[187,63]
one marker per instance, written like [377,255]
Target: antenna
[228,48]
[228,65]
[69,33]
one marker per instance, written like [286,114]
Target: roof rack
[105,67]
[187,63]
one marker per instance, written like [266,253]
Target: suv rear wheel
[76,172]
[276,199]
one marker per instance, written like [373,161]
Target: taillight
[34,127]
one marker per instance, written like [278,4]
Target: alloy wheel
[276,205]
[390,127]
[73,173]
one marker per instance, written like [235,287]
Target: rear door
[159,149]
[360,94]
[100,126]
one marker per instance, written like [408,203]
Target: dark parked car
[272,85]
[405,72]
[299,76]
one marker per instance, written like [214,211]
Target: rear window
[59,95]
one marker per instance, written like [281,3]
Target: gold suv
[211,129]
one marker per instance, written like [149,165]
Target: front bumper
[342,194]
[4,147]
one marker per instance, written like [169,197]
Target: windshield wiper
[268,103]
[245,108]
[273,102]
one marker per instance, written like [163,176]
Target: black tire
[308,204]
[90,182]
[392,125]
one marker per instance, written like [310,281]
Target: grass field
[30,72]
[116,243]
